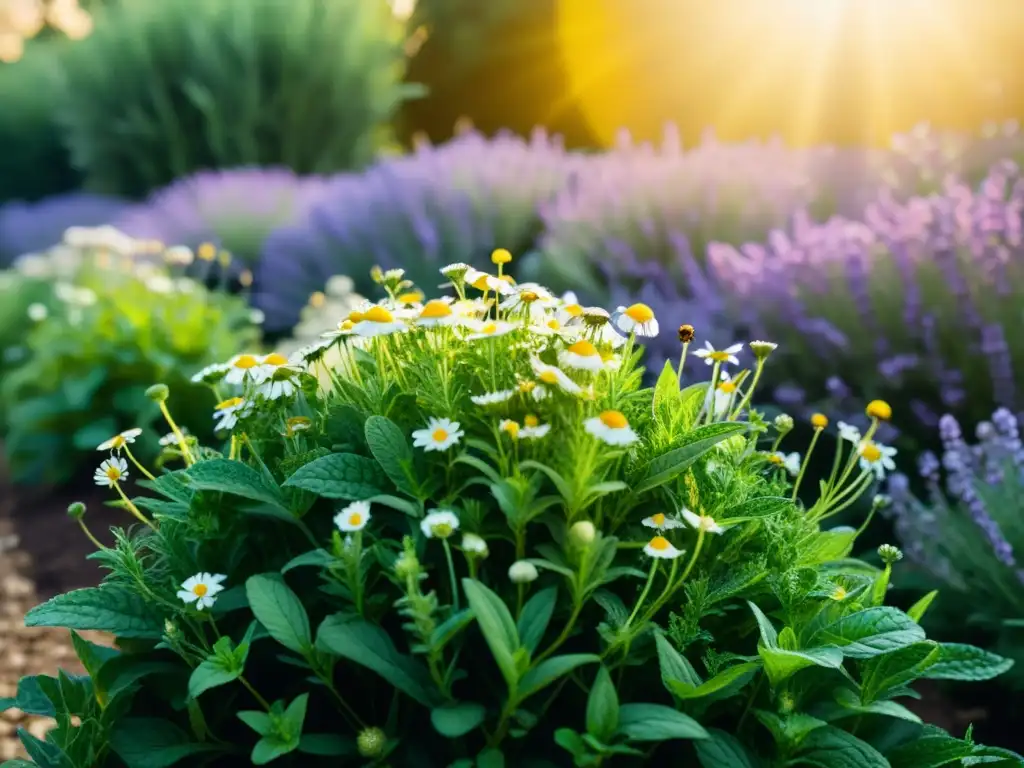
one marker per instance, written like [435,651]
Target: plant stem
[750,392]
[643,595]
[566,631]
[131,507]
[682,362]
[179,436]
[451,573]
[806,461]
[142,469]
[255,694]
[88,534]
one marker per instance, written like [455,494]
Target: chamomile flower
[528,296]
[277,387]
[201,590]
[582,356]
[118,442]
[554,377]
[439,524]
[485,282]
[660,522]
[211,374]
[455,272]
[790,462]
[378,321]
[353,518]
[877,458]
[111,472]
[437,312]
[344,328]
[172,439]
[493,398]
[532,429]
[243,368]
[296,424]
[612,428]
[439,435]
[848,432]
[569,307]
[725,390]
[712,355]
[636,318]
[489,330]
[228,412]
[703,523]
[532,389]
[510,427]
[661,548]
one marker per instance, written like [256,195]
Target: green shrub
[161,90]
[481,543]
[104,328]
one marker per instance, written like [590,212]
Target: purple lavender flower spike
[30,227]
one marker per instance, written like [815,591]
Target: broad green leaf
[450,627]
[319,558]
[536,616]
[30,698]
[756,509]
[497,626]
[780,664]
[965,662]
[295,714]
[723,750]
[916,611]
[235,478]
[666,391]
[932,749]
[404,506]
[550,670]
[603,707]
[107,608]
[261,722]
[674,665]
[696,443]
[891,671]
[341,476]
[371,647]
[724,684]
[768,634]
[656,722]
[149,742]
[993,757]
[871,632]
[490,758]
[269,748]
[280,611]
[564,489]
[851,704]
[392,451]
[93,657]
[457,718]
[828,546]
[831,747]
[211,673]
[788,730]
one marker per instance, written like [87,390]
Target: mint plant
[473,538]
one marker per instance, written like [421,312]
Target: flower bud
[881,501]
[522,572]
[819,420]
[76,510]
[371,742]
[501,256]
[158,393]
[879,409]
[377,274]
[889,554]
[583,533]
[474,545]
[783,423]
[762,349]
[406,566]
[686,333]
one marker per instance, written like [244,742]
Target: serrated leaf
[965,662]
[235,478]
[932,749]
[392,451]
[831,747]
[106,608]
[550,670]
[149,742]
[497,626]
[889,672]
[871,632]
[343,476]
[280,611]
[656,722]
[695,444]
[780,664]
[457,719]
[724,684]
[756,509]
[723,750]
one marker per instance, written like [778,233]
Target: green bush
[481,543]
[104,327]
[161,90]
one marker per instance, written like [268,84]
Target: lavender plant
[33,227]
[480,542]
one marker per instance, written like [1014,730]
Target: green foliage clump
[479,542]
[161,90]
[91,329]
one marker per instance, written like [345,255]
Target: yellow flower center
[528,297]
[819,420]
[573,310]
[345,325]
[583,349]
[481,283]
[553,324]
[410,298]
[245,362]
[839,593]
[659,543]
[234,401]
[527,386]
[870,452]
[317,299]
[614,419]
[378,315]
[512,428]
[658,519]
[207,252]
[548,377]
[439,435]
[728,387]
[356,316]
[113,474]
[719,357]
[640,313]
[275,359]
[489,329]
[118,442]
[435,309]
[200,590]
[501,256]
[775,458]
[879,409]
[531,421]
[355,519]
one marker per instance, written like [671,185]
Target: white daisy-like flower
[582,356]
[702,522]
[278,387]
[439,524]
[489,330]
[848,432]
[202,589]
[725,390]
[439,435]
[877,458]
[532,389]
[636,318]
[661,548]
[493,398]
[612,428]
[510,427]
[354,517]
[660,522]
[712,355]
[111,472]
[790,462]
[172,439]
[455,271]
[532,429]
[227,413]
[554,377]
[243,368]
[471,309]
[119,441]
[437,312]
[474,545]
[485,282]
[378,321]
[37,312]
[528,295]
[211,373]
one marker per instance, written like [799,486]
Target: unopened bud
[522,572]
[377,275]
[406,566]
[371,742]
[762,349]
[881,501]
[583,533]
[686,333]
[76,510]
[474,545]
[889,554]
[783,423]
[158,393]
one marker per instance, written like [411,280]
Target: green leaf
[295,715]
[31,699]
[780,664]
[831,747]
[269,748]
[550,670]
[723,750]
[871,632]
[916,611]
[235,478]
[930,750]
[536,616]
[149,742]
[603,707]
[319,558]
[656,722]
[722,685]
[965,662]
[490,758]
[788,730]
[341,476]
[404,506]
[756,509]
[666,391]
[93,657]
[498,628]
[280,611]
[768,634]
[457,718]
[828,546]
[260,722]
[392,451]
[674,665]
[891,671]
[211,673]
[696,443]
[371,647]
[852,706]
[106,608]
